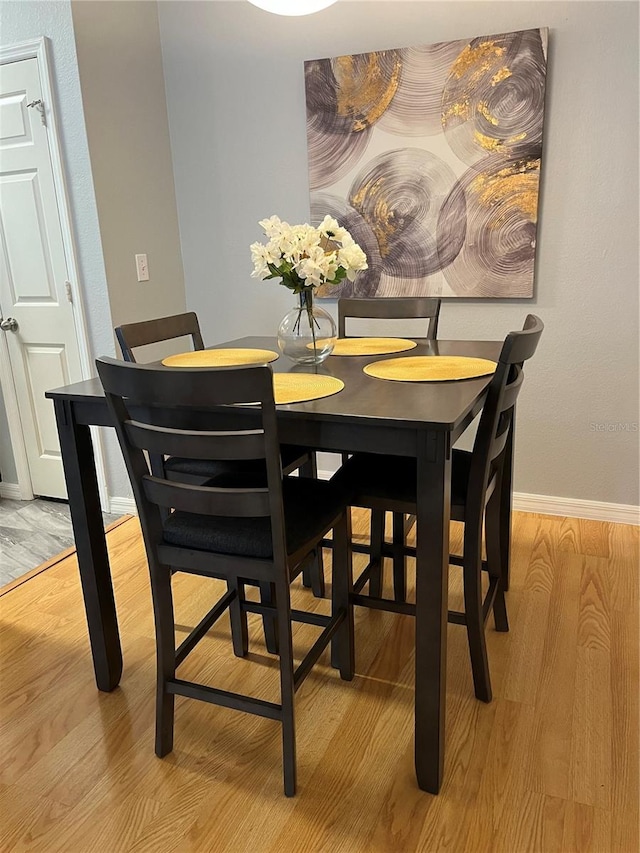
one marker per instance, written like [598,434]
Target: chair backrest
[497,415]
[391,308]
[174,412]
[133,335]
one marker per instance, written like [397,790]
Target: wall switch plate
[142,268]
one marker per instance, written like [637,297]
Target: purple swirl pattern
[493,99]
[345,97]
[497,257]
[416,109]
[451,209]
[399,194]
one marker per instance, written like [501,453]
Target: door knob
[9,325]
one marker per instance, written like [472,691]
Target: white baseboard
[568,507]
[576,508]
[11,491]
[522,502]
[122,506]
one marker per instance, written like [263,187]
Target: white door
[41,346]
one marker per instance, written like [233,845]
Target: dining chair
[389,483]
[228,528]
[404,308]
[132,336]
[391,308]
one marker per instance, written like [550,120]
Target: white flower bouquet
[305,257]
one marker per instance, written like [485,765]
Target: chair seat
[310,507]
[292,457]
[392,480]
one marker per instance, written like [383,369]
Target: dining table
[421,420]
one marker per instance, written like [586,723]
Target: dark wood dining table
[415,419]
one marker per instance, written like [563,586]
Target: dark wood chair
[132,336]
[389,483]
[228,528]
[391,308]
[425,308]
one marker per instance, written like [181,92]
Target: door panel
[43,351]
[29,261]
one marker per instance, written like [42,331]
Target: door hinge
[67,287]
[39,105]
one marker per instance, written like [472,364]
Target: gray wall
[8,473]
[126,119]
[20,21]
[234,81]
[118,165]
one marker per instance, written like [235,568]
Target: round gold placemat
[371,346]
[300,387]
[231,357]
[430,368]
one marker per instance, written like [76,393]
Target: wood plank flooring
[550,765]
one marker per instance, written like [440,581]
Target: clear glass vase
[307,333]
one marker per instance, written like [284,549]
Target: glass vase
[307,333]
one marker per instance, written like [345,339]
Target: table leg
[432,586]
[93,560]
[506,501]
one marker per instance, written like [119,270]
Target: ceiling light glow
[292,7]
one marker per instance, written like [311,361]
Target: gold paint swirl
[363,91]
[514,188]
[476,61]
[382,219]
[483,109]
[501,75]
[460,110]
[488,142]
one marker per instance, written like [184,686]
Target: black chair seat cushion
[208,468]
[310,507]
[370,478]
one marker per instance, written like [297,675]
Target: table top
[438,405]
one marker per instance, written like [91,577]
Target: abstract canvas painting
[430,156]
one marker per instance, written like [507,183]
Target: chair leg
[313,572]
[399,559]
[376,539]
[285,643]
[165,658]
[472,571]
[492,526]
[342,644]
[269,620]
[238,619]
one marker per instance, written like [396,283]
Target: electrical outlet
[142,268]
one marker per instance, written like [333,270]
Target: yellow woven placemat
[300,387]
[430,368]
[231,357]
[371,346]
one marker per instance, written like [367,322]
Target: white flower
[305,256]
[353,259]
[273,226]
[259,258]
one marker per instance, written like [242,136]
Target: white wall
[234,80]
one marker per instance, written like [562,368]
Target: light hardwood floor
[550,765]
